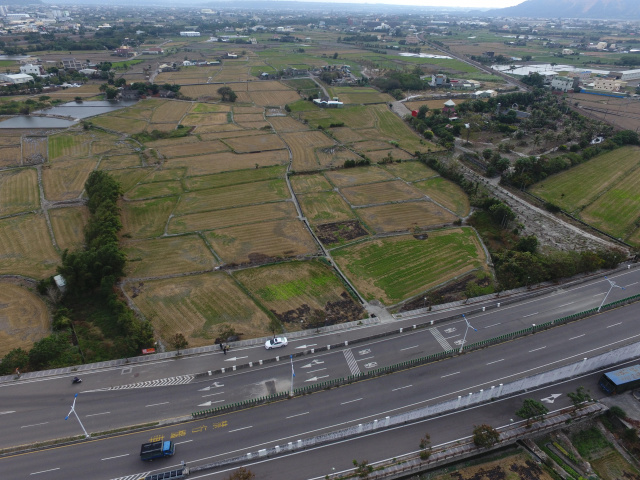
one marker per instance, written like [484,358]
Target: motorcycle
[76,380]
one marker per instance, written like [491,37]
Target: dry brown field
[357,176]
[256,143]
[405,216]
[260,242]
[171,111]
[68,94]
[287,124]
[200,91]
[382,155]
[209,108]
[19,191]
[35,149]
[248,117]
[8,137]
[225,162]
[302,145]
[119,161]
[273,98]
[370,96]
[255,125]
[26,247]
[325,207]
[161,127]
[197,119]
[371,145]
[120,124]
[142,110]
[68,226]
[183,150]
[231,196]
[167,256]
[146,218]
[267,86]
[64,180]
[310,183]
[210,132]
[168,142]
[111,147]
[164,175]
[621,112]
[347,135]
[10,156]
[196,306]
[230,217]
[247,110]
[410,171]
[240,74]
[376,193]
[24,319]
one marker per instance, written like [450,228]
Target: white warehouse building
[16,78]
[630,75]
[189,34]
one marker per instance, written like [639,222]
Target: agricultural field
[10,156]
[357,176]
[228,161]
[68,226]
[170,112]
[197,306]
[447,194]
[303,145]
[182,254]
[146,218]
[18,191]
[310,183]
[68,145]
[513,467]
[393,154]
[201,148]
[25,318]
[603,196]
[262,242]
[359,95]
[154,190]
[410,171]
[404,216]
[228,217]
[26,247]
[234,178]
[117,162]
[396,268]
[255,143]
[381,192]
[65,179]
[325,207]
[293,290]
[335,156]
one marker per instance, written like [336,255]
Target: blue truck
[152,450]
[619,381]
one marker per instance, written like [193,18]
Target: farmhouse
[562,83]
[16,78]
[30,69]
[326,103]
[484,94]
[449,108]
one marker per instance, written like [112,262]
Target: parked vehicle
[153,450]
[276,342]
[618,381]
[76,380]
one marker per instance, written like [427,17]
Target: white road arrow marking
[217,385]
[450,330]
[205,389]
[233,359]
[306,346]
[313,363]
[208,404]
[4,413]
[551,398]
[315,379]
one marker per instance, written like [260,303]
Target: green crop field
[394,269]
[234,178]
[410,171]
[325,207]
[146,218]
[447,194]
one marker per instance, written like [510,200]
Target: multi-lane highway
[277,424]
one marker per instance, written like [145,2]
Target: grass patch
[590,442]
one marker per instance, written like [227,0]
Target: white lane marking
[598,294]
[453,336]
[489,326]
[238,429]
[117,456]
[351,401]
[400,388]
[615,324]
[156,404]
[318,370]
[45,471]
[530,315]
[180,443]
[212,394]
[10,411]
[578,336]
[96,414]
[298,415]
[630,284]
[449,374]
[570,303]
[536,349]
[34,425]
[496,361]
[408,348]
[365,358]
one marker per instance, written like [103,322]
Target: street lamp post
[293,374]
[73,410]
[465,332]
[613,284]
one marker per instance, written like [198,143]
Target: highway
[112,398]
[204,441]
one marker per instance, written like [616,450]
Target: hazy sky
[442,3]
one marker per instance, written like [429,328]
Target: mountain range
[597,9]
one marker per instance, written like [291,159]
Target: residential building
[562,83]
[30,69]
[608,84]
[125,51]
[438,80]
[449,109]
[484,94]
[71,64]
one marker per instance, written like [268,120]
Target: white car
[275,342]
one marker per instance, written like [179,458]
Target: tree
[15,359]
[579,396]
[485,436]
[363,469]
[242,474]
[425,447]
[111,93]
[179,342]
[531,410]
[275,326]
[422,112]
[227,94]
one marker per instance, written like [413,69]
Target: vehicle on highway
[619,381]
[76,380]
[276,342]
[153,450]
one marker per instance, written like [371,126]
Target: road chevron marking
[162,382]
[135,476]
